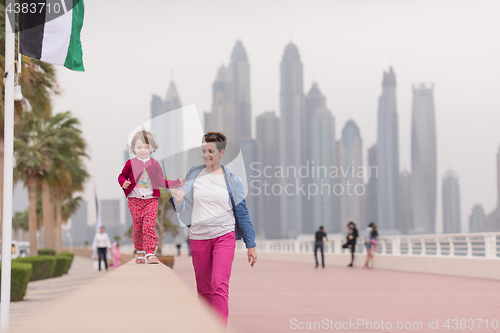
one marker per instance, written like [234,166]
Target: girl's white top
[101,240]
[212,211]
[144,188]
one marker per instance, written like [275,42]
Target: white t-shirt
[212,211]
[101,240]
[144,188]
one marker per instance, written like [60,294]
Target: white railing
[485,245]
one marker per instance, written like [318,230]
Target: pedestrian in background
[368,244]
[101,243]
[374,238]
[350,240]
[318,244]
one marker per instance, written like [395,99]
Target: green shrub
[43,266]
[71,256]
[62,263]
[46,252]
[20,276]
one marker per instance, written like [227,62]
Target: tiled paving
[278,296]
[43,292]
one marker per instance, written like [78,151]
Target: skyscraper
[325,206]
[451,203]
[314,101]
[231,107]
[79,229]
[351,159]
[249,151]
[240,78]
[388,154]
[222,111]
[207,121]
[494,216]
[292,115]
[477,219]
[371,196]
[268,215]
[168,130]
[423,159]
[156,106]
[405,208]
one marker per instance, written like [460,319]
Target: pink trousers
[144,213]
[212,261]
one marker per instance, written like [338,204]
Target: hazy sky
[131,47]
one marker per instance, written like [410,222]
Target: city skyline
[448,50]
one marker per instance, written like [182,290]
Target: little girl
[117,256]
[141,180]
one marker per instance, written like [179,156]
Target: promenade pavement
[132,298]
[41,294]
[277,297]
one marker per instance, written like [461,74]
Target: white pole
[8,167]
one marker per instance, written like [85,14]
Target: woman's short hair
[147,138]
[218,137]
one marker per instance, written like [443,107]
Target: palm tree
[38,83]
[33,158]
[65,204]
[67,173]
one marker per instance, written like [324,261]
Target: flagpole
[8,166]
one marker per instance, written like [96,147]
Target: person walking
[318,244]
[101,243]
[350,240]
[212,204]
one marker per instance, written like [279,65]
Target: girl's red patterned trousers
[144,213]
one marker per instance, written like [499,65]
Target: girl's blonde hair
[147,138]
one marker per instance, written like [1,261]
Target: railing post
[489,245]
[396,246]
[452,247]
[337,246]
[469,246]
[384,247]
[410,247]
[438,247]
[297,247]
[422,246]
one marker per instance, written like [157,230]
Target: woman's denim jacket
[243,227]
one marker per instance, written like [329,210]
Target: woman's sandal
[151,259]
[140,259]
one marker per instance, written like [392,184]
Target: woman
[101,244]
[368,244]
[212,204]
[350,240]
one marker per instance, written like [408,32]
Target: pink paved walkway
[271,295]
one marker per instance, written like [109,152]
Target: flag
[50,31]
